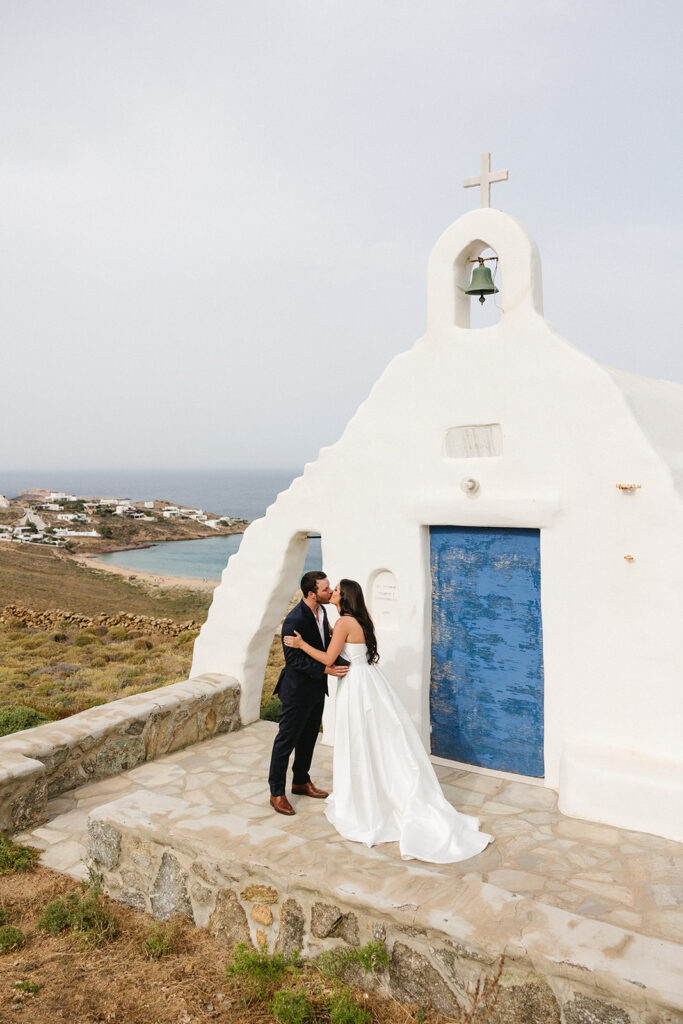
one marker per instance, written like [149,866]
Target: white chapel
[514,513]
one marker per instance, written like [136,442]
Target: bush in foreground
[11,938]
[257,973]
[291,1008]
[345,1010]
[14,857]
[86,917]
[17,717]
[160,941]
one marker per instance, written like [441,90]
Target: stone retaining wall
[38,764]
[261,906]
[49,619]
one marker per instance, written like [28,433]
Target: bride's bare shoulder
[345,621]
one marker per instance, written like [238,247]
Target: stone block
[262,914]
[261,940]
[169,897]
[531,1002]
[412,979]
[260,894]
[200,894]
[23,792]
[119,755]
[583,1010]
[132,898]
[29,808]
[104,844]
[292,928]
[228,921]
[329,922]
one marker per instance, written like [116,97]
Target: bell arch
[449,268]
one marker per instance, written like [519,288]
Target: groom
[302,688]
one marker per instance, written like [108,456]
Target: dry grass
[65,670]
[117,982]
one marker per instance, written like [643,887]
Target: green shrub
[345,1010]
[334,962]
[291,1008]
[160,940]
[11,938]
[55,918]
[142,645]
[86,916]
[3,915]
[118,633]
[17,717]
[84,640]
[14,857]
[33,643]
[186,637]
[257,973]
[27,986]
[272,710]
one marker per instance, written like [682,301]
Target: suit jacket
[303,679]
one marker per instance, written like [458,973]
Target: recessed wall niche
[384,599]
[474,441]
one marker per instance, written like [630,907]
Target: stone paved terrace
[567,896]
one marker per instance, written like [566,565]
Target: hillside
[41,577]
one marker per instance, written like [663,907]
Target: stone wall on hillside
[49,619]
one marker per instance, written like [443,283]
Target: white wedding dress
[384,786]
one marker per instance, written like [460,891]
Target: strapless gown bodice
[355,653]
[384,786]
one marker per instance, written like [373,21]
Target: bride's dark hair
[352,602]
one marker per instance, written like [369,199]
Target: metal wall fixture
[470,486]
[628,488]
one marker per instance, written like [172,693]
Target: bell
[481,283]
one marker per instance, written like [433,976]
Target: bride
[385,788]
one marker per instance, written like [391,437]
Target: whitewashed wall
[613,644]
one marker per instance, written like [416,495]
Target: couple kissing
[385,788]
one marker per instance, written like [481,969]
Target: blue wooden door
[486,695]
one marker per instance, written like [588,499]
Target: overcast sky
[215,216]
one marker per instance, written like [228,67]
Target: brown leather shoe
[281,804]
[309,790]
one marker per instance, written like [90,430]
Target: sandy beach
[152,579]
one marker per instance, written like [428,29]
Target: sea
[229,492]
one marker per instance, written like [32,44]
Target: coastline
[151,579]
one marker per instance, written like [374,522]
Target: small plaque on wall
[384,600]
[474,441]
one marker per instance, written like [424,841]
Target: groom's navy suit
[302,688]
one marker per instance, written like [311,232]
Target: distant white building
[61,496]
[62,532]
[4,503]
